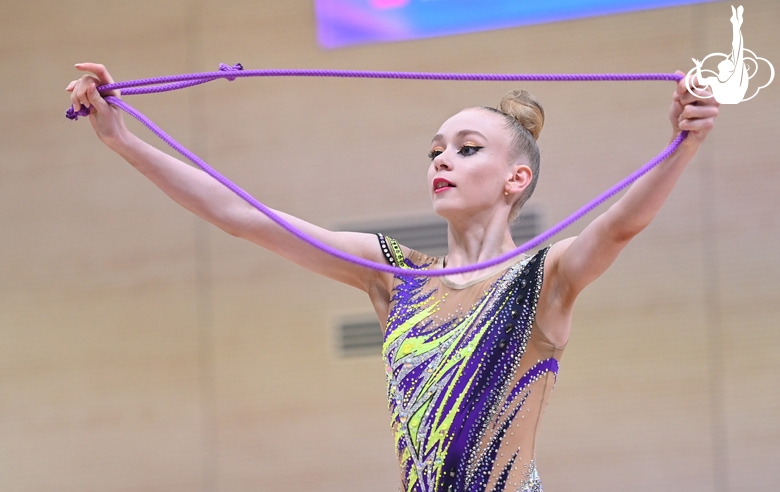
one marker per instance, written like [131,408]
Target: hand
[691,113]
[106,120]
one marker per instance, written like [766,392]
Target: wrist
[121,141]
[688,147]
[688,141]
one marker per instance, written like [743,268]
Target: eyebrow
[461,133]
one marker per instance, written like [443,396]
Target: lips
[441,184]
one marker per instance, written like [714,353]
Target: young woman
[470,358]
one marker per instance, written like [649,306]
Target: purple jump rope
[174,82]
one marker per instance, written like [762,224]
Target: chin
[447,211]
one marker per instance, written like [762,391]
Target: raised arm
[705,81]
[574,263]
[196,191]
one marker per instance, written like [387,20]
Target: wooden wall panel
[141,349]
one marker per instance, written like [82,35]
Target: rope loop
[174,82]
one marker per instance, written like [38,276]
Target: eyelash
[470,148]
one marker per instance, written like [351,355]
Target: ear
[519,179]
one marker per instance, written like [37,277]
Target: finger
[687,81]
[82,95]
[78,92]
[676,110]
[79,89]
[701,102]
[697,124]
[700,125]
[699,97]
[691,112]
[74,101]
[696,93]
[694,82]
[95,99]
[100,71]
[70,86]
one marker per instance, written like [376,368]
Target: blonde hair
[524,116]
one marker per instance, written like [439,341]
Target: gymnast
[471,358]
[731,83]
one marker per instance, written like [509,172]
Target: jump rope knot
[74,115]
[227,68]
[84,110]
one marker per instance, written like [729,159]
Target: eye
[435,153]
[469,149]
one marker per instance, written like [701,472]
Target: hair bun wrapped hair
[525,109]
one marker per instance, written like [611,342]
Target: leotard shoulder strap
[392,251]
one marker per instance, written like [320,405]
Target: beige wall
[143,350]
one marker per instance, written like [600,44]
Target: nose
[441,162]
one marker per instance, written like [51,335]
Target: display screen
[348,22]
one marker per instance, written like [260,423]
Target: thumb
[96,100]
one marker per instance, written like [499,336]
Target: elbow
[622,235]
[245,223]
[233,231]
[235,224]
[235,227]
[622,228]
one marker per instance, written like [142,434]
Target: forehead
[489,124]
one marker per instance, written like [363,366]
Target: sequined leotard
[469,374]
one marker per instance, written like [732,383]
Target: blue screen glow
[348,22]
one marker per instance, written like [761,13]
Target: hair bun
[525,108]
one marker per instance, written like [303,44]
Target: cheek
[489,176]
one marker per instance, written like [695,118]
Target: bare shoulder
[556,251]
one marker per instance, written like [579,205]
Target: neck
[473,241]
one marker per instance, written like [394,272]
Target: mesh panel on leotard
[469,375]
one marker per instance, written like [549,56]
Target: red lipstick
[440,185]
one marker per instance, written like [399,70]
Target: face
[470,168]
[725,68]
